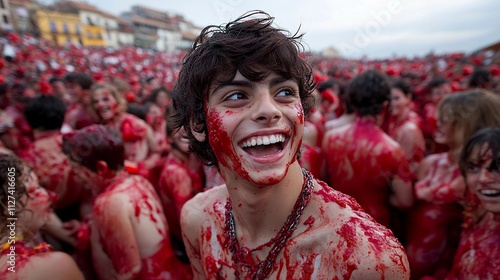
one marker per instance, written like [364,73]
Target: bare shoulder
[350,240]
[202,204]
[54,266]
[427,163]
[334,133]
[112,201]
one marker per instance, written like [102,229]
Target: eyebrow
[250,84]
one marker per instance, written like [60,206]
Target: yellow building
[93,36]
[63,28]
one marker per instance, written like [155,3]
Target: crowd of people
[246,157]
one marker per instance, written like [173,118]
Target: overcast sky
[376,28]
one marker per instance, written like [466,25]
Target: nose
[266,109]
[485,176]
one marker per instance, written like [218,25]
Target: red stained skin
[406,131]
[437,216]
[337,246]
[129,232]
[311,157]
[20,135]
[77,117]
[478,254]
[134,135]
[53,168]
[221,142]
[361,161]
[177,184]
[23,253]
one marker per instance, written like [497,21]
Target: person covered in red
[404,124]
[129,233]
[434,222]
[45,114]
[22,255]
[361,160]
[19,134]
[179,181]
[439,89]
[141,150]
[242,95]
[478,253]
[80,114]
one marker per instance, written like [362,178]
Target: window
[2,5]
[90,35]
[77,28]
[89,21]
[5,19]
[65,28]
[99,36]
[53,27]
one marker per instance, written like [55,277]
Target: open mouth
[489,193]
[262,146]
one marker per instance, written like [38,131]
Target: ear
[102,168]
[200,136]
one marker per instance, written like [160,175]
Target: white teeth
[263,140]
[489,192]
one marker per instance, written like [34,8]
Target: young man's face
[255,128]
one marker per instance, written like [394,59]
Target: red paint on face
[222,144]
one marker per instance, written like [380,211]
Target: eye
[472,167]
[237,95]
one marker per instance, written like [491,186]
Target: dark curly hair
[45,112]
[84,80]
[368,91]
[250,45]
[403,86]
[11,176]
[93,143]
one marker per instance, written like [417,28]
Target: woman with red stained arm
[436,218]
[478,253]
[242,96]
[129,237]
[33,259]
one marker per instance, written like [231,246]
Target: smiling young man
[242,95]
